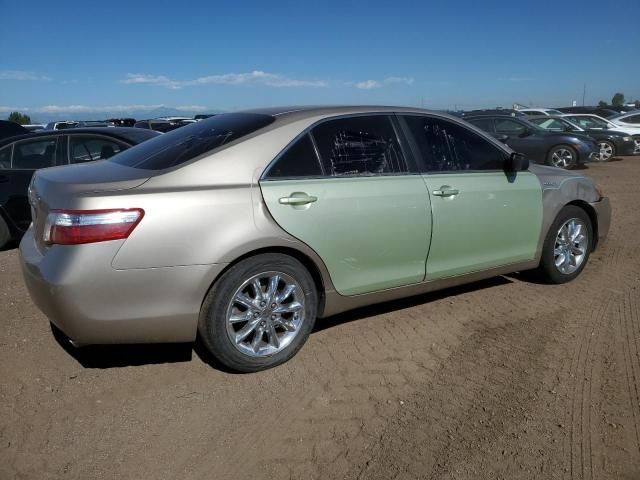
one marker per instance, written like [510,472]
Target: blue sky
[75,56]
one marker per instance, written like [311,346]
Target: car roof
[127,134]
[286,114]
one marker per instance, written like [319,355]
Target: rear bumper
[603,214]
[92,303]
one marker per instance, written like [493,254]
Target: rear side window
[359,145]
[34,154]
[485,124]
[447,147]
[504,125]
[84,148]
[186,143]
[299,160]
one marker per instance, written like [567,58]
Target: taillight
[72,227]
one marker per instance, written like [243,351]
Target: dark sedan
[564,150]
[611,143]
[21,155]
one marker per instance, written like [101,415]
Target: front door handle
[446,191]
[298,198]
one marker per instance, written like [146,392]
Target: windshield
[589,122]
[186,143]
[551,111]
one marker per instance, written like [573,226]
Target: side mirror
[517,162]
[502,138]
[525,133]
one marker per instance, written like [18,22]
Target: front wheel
[567,246]
[562,156]
[259,313]
[607,151]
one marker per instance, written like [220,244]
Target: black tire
[213,315]
[572,162]
[547,269]
[5,234]
[611,146]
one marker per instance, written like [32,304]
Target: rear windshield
[185,143]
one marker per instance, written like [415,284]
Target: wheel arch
[593,216]
[306,260]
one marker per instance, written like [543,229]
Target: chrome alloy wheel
[571,246]
[562,157]
[265,314]
[636,150]
[606,151]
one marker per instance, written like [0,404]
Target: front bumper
[92,303]
[603,214]
[625,148]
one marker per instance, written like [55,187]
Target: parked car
[533,112]
[122,122]
[630,119]
[594,122]
[600,111]
[493,111]
[20,156]
[11,129]
[610,142]
[248,226]
[61,125]
[563,150]
[94,123]
[34,127]
[162,126]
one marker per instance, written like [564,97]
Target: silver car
[246,227]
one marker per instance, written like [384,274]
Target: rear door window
[510,127]
[87,148]
[485,124]
[35,153]
[360,146]
[186,143]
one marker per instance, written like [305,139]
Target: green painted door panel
[493,220]
[371,232]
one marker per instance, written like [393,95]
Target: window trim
[407,153]
[422,163]
[45,137]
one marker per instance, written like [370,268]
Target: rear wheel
[567,246]
[5,234]
[562,156]
[607,150]
[259,313]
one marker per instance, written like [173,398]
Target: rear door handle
[446,191]
[298,198]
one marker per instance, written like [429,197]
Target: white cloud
[21,75]
[97,109]
[254,77]
[369,84]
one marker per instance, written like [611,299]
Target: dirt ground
[502,379]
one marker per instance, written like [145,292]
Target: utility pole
[584,92]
